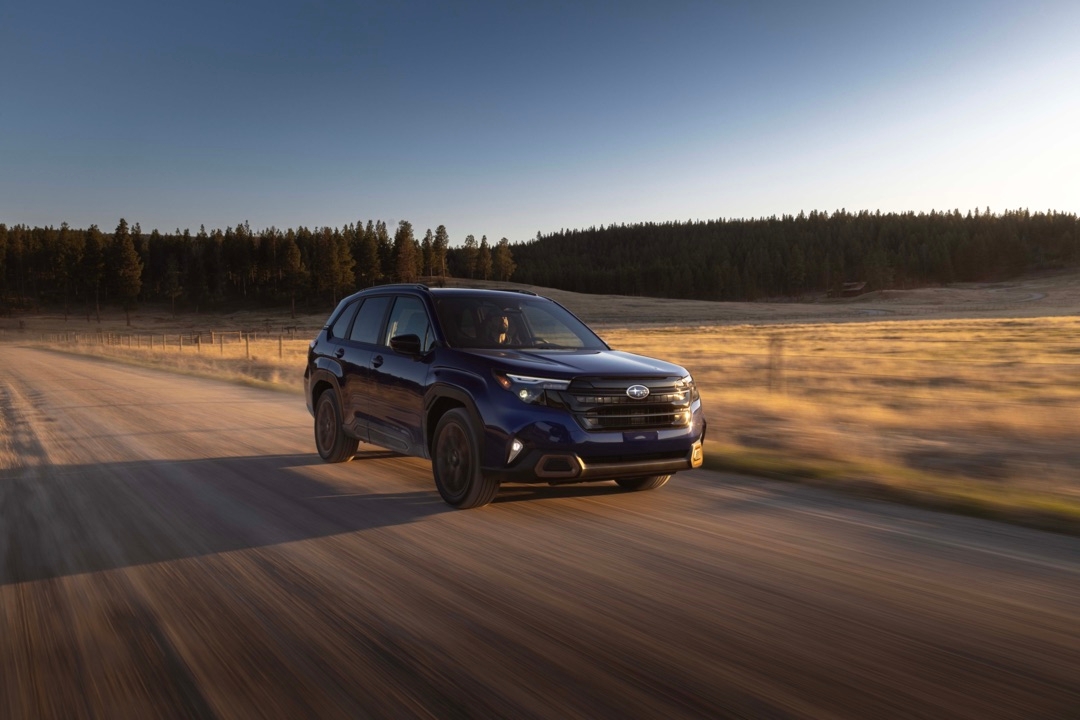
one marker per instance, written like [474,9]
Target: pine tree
[503,261]
[3,267]
[386,251]
[483,260]
[71,246]
[196,249]
[405,252]
[438,251]
[127,268]
[427,249]
[295,272]
[93,268]
[368,263]
[142,248]
[342,266]
[418,258]
[469,253]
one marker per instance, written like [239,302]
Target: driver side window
[409,318]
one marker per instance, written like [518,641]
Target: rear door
[400,379]
[357,384]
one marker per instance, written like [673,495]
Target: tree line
[794,256]
[788,256]
[80,270]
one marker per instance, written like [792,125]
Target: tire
[455,462]
[333,444]
[643,483]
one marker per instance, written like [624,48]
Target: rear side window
[369,321]
[341,326]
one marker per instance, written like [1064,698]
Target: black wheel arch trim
[318,375]
[440,391]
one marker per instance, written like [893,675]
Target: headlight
[687,384]
[529,389]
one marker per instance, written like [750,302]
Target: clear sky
[509,117]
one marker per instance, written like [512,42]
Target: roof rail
[414,286]
[525,292]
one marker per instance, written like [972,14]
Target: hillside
[794,256]
[1032,295]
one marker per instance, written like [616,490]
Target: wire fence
[782,362]
[225,343]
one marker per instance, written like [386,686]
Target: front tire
[333,444]
[643,483]
[455,462]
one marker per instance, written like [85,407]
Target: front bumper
[561,467]
[558,450]
[563,453]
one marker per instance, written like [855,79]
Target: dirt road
[173,547]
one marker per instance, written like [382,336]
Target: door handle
[339,352]
[376,361]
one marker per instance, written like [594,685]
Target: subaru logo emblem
[637,392]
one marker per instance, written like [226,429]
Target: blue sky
[506,118]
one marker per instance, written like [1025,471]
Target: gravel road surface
[173,547]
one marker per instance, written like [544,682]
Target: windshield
[488,321]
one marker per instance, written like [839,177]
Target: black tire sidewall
[337,451]
[643,483]
[478,490]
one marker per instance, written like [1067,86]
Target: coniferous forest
[81,270]
[791,256]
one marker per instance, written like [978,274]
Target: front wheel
[643,483]
[456,463]
[333,444]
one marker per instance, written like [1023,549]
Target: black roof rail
[525,292]
[413,286]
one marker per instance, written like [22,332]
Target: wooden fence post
[247,347]
[221,343]
[280,348]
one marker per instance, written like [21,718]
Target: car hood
[564,364]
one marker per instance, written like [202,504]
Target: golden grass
[976,414]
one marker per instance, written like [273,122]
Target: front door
[400,380]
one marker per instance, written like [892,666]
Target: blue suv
[493,387]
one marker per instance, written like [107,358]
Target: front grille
[602,404]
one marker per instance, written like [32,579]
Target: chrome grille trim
[602,404]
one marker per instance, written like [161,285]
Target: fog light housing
[697,456]
[515,449]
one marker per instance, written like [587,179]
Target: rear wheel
[456,463]
[643,483]
[333,444]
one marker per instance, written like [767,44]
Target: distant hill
[1040,294]
[793,256]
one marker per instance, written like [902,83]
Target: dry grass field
[965,397]
[982,414]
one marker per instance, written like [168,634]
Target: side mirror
[405,344]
